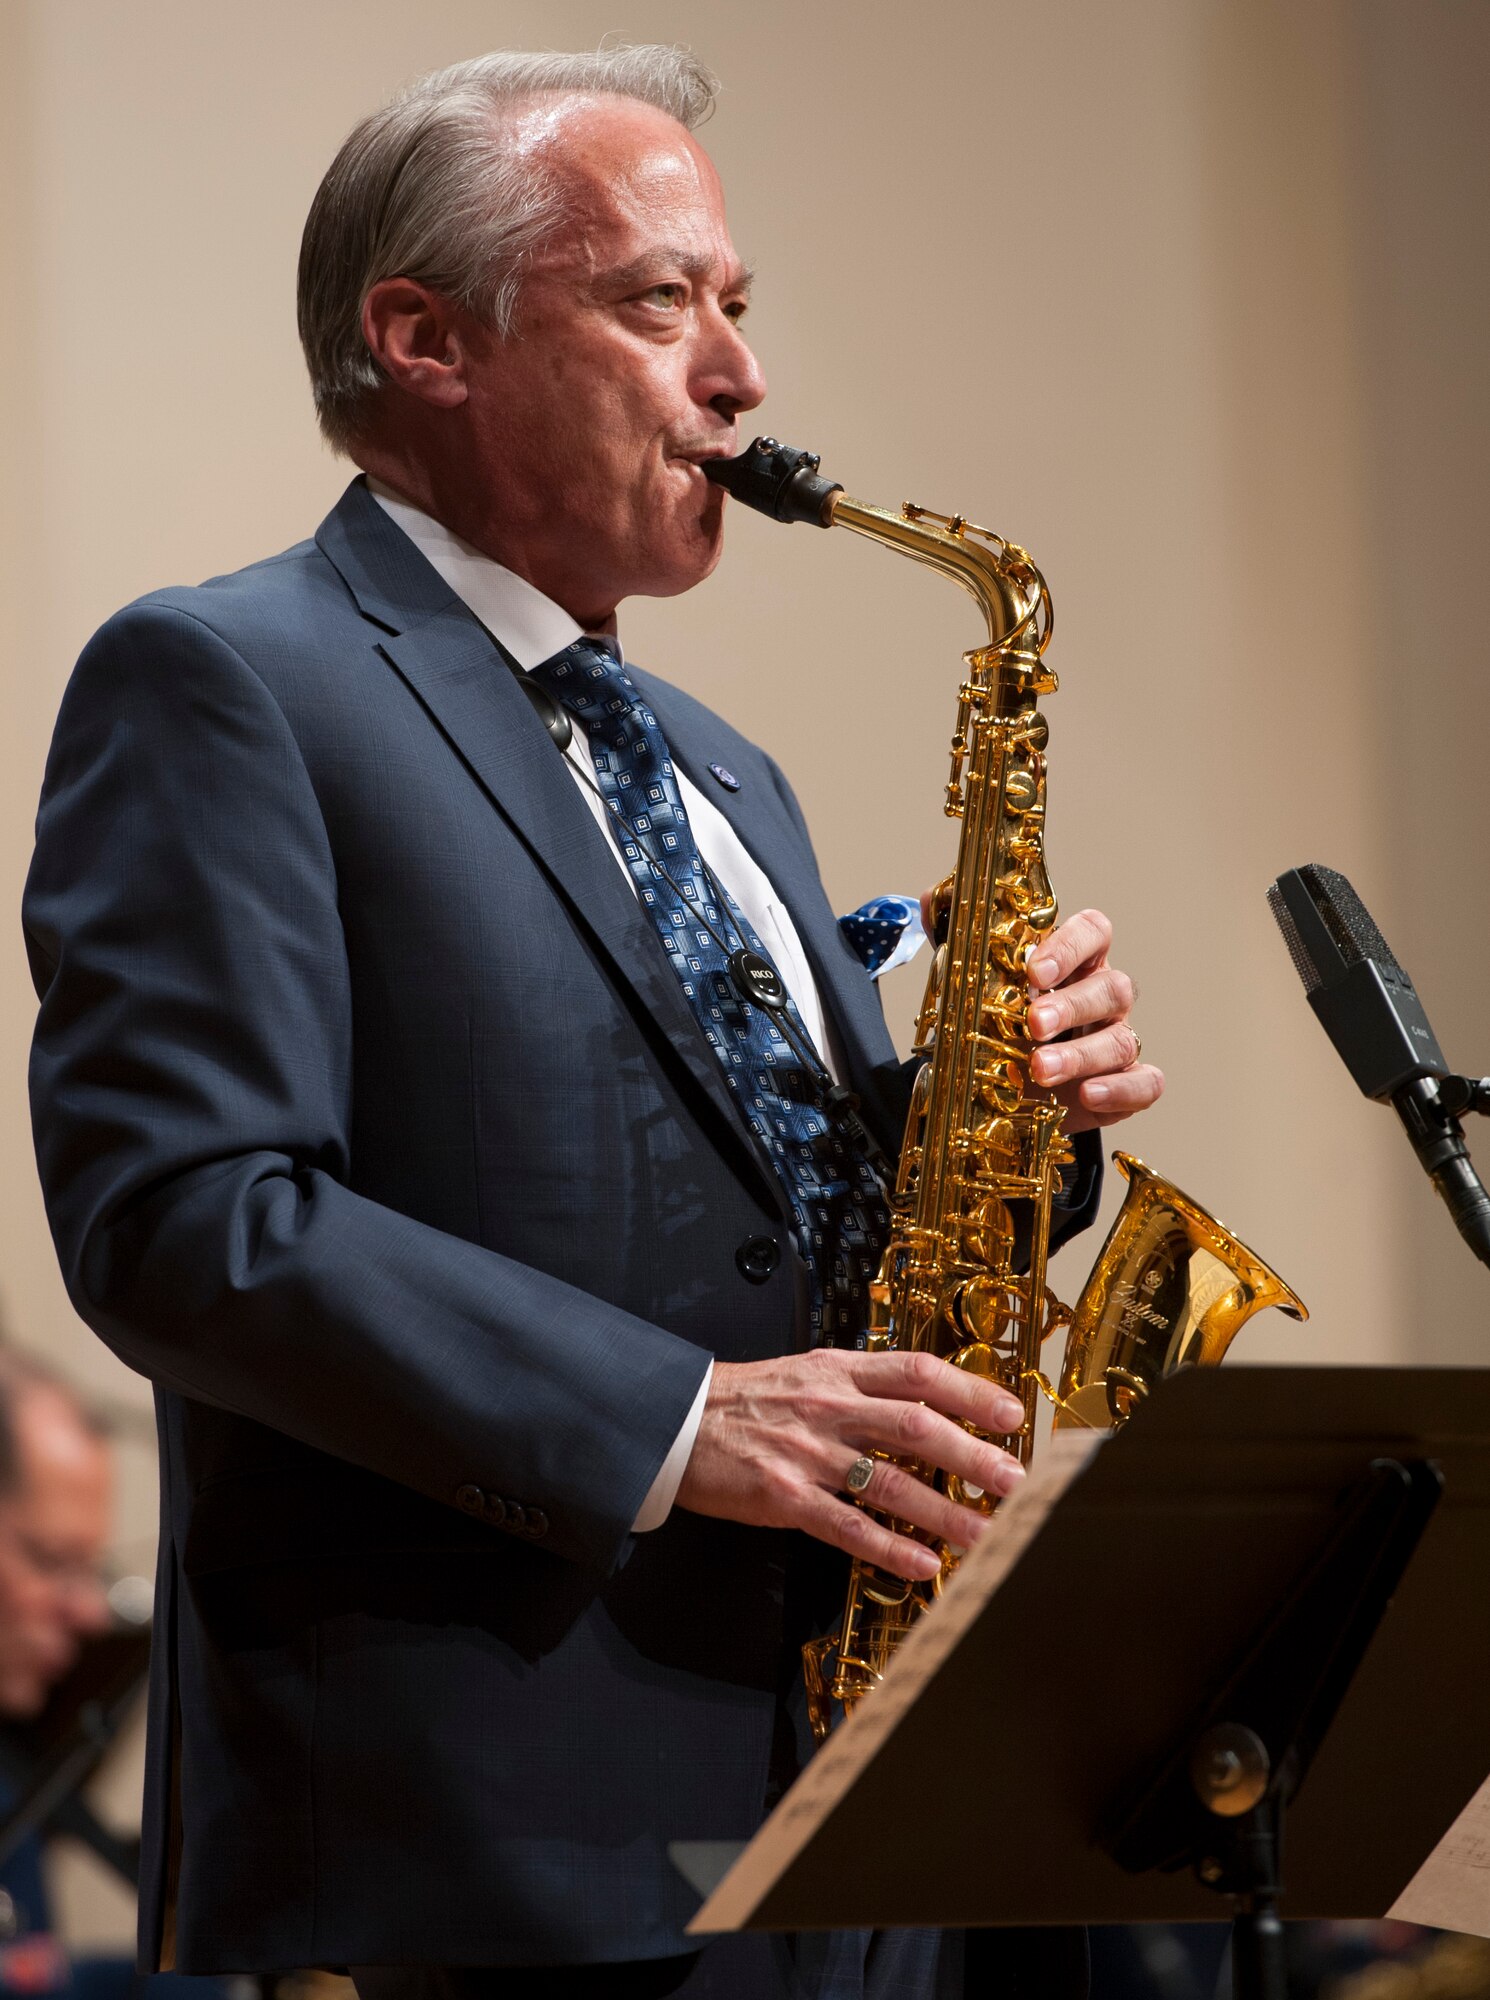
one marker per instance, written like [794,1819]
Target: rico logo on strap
[755,978]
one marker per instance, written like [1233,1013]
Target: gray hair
[427,189]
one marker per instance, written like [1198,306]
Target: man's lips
[700,486]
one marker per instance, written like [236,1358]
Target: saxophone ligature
[1171,1286]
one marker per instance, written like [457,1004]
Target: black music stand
[1270,1573]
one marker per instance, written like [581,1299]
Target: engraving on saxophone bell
[1132,1310]
[958,1279]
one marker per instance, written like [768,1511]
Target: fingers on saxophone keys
[914,1379]
[1113,1097]
[1106,995]
[1081,938]
[1110,1049]
[904,1497]
[911,1431]
[859,1534]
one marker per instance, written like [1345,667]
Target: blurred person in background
[56,1504]
[56,1507]
[56,1518]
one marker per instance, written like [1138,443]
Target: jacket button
[758,1258]
[470,1499]
[536,1522]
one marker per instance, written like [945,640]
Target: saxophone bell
[1171,1288]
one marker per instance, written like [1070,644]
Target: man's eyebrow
[626,277]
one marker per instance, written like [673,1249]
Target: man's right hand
[778,1437]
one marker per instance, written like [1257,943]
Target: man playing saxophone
[401,1115]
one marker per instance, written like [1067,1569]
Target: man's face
[626,367]
[52,1534]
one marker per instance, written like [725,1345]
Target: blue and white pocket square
[885,932]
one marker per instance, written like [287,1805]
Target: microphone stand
[1430,1108]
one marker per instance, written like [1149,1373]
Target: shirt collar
[531,626]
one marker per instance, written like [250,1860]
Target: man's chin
[22,1699]
[693,557]
[675,583]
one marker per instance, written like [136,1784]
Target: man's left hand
[1079,1013]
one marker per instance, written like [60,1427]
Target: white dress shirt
[533,628]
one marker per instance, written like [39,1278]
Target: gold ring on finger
[859,1474]
[1137,1048]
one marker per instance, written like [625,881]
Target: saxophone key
[982,1311]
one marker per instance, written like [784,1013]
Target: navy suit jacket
[376,1130]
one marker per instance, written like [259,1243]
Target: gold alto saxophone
[1171,1286]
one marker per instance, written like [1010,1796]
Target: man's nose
[88,1607]
[733,380]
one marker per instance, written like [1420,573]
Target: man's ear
[415,336]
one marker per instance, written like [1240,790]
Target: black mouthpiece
[1366,1003]
[777,480]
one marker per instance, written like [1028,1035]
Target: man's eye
[736,310]
[664,295]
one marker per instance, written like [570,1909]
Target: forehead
[631,180]
[63,1465]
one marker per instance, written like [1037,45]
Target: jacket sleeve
[191,1081]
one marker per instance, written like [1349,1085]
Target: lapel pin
[726,778]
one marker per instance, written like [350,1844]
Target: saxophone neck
[998,575]
[787,484]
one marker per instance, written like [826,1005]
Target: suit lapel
[449,662]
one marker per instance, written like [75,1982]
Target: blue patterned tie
[839,1218]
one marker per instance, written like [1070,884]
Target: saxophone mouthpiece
[777,480]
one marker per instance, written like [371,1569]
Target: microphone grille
[1346,918]
[1303,964]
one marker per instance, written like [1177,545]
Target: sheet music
[856,1741]
[1451,1891]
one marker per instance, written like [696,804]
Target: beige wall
[1189,298]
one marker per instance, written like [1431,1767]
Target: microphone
[1370,1010]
